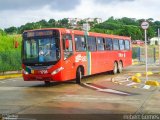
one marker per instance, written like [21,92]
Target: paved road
[99,95]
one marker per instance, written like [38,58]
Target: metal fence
[10,61]
[139,54]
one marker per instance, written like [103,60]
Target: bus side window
[91,43]
[109,44]
[80,43]
[67,45]
[100,44]
[121,44]
[115,44]
[127,45]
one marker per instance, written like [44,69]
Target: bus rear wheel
[78,76]
[115,68]
[120,67]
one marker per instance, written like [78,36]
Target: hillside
[122,26]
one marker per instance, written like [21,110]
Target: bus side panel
[82,59]
[94,60]
[69,68]
[107,60]
[101,61]
[71,64]
[128,58]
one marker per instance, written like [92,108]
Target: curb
[10,76]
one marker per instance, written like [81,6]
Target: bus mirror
[67,44]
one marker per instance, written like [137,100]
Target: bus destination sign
[41,33]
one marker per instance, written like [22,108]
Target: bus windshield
[41,50]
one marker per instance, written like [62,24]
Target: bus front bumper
[47,77]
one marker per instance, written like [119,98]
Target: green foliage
[2,33]
[123,26]
[10,57]
[11,30]
[10,61]
[127,27]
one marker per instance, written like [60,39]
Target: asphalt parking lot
[101,95]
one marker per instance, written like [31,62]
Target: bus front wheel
[78,76]
[115,68]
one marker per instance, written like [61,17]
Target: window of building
[121,44]
[100,44]
[109,44]
[115,44]
[80,43]
[91,41]
[127,45]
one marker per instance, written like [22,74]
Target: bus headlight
[25,72]
[57,70]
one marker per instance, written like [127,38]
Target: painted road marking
[132,83]
[2,82]
[146,87]
[13,80]
[113,91]
[106,90]
[123,81]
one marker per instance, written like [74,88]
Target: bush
[10,57]
[10,61]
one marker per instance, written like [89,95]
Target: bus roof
[79,32]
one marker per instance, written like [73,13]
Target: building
[74,21]
[155,41]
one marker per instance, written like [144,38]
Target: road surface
[99,95]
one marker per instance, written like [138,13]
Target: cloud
[59,5]
[20,12]
[112,1]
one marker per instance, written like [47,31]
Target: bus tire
[78,75]
[120,67]
[115,68]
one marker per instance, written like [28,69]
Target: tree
[64,23]
[43,24]
[11,30]
[52,23]
[2,32]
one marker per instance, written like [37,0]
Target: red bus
[59,54]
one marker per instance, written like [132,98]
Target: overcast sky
[19,12]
